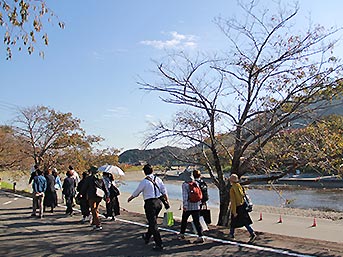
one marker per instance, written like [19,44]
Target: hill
[161,156]
[165,155]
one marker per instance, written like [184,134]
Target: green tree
[270,77]
[22,22]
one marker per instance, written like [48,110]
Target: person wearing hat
[239,215]
[91,186]
[190,208]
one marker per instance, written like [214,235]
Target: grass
[133,168]
[6,185]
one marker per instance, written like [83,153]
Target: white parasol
[114,170]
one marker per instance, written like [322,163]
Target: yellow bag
[168,219]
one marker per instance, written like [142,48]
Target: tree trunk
[224,199]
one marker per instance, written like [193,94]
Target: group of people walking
[84,192]
[94,187]
[153,190]
[44,186]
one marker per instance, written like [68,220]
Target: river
[317,199]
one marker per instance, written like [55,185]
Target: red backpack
[195,194]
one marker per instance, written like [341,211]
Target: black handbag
[206,213]
[247,202]
[164,201]
[114,191]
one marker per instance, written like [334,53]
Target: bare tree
[270,77]
[48,133]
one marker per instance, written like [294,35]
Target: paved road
[60,235]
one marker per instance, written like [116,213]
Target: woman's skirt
[242,219]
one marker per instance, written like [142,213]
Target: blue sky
[91,68]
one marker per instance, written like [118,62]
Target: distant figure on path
[112,207]
[92,185]
[39,186]
[69,192]
[50,193]
[84,204]
[58,183]
[33,173]
[74,174]
[152,188]
[239,215]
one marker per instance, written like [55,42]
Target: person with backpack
[191,199]
[206,213]
[112,207]
[203,186]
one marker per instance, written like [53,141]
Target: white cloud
[103,53]
[118,112]
[177,41]
[149,117]
[98,56]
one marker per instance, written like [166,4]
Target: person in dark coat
[239,215]
[114,193]
[84,204]
[50,193]
[33,173]
[112,207]
[89,189]
[69,192]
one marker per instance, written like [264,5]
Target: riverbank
[21,180]
[330,215]
[304,223]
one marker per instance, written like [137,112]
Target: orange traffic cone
[260,216]
[280,219]
[314,222]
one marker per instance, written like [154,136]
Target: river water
[317,199]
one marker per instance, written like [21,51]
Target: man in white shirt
[152,188]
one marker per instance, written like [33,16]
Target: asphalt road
[60,235]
